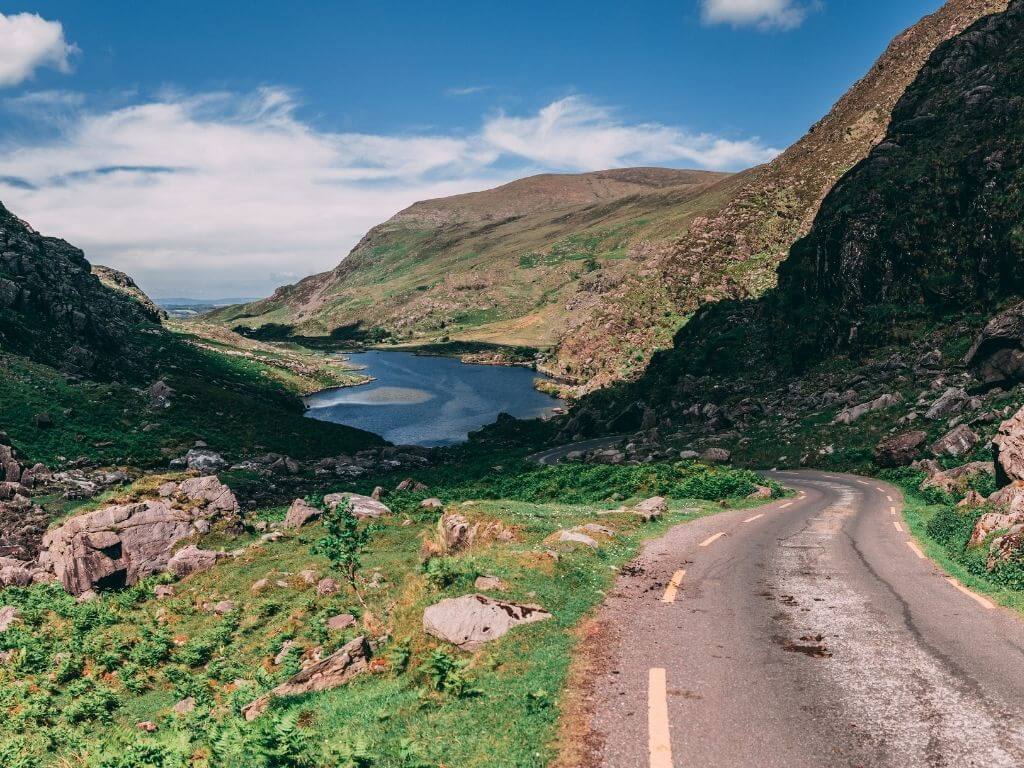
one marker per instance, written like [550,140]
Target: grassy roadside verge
[926,515]
[83,674]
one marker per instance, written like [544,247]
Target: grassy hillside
[81,675]
[509,266]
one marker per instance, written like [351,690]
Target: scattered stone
[956,480]
[282,654]
[576,537]
[950,403]
[608,456]
[327,587]
[688,455]
[204,460]
[300,513]
[336,670]
[185,706]
[260,585]
[309,577]
[852,414]
[489,584]
[762,493]
[360,506]
[716,456]
[341,622]
[972,499]
[471,621]
[411,485]
[163,591]
[192,559]
[900,450]
[224,607]
[957,442]
[147,726]
[159,395]
[651,509]
[431,503]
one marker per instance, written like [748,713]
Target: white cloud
[220,195]
[28,42]
[468,90]
[765,14]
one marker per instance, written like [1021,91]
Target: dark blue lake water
[420,400]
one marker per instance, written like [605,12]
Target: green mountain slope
[496,266]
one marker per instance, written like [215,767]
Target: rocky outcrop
[997,356]
[956,481]
[119,544]
[351,660]
[300,513]
[654,508]
[122,283]
[900,450]
[471,621]
[1009,450]
[55,311]
[192,559]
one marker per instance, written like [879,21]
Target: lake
[426,400]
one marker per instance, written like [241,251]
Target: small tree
[345,541]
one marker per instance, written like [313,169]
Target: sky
[221,149]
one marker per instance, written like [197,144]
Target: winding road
[811,632]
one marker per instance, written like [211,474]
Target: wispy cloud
[764,14]
[222,194]
[468,90]
[28,42]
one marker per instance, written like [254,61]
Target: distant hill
[510,265]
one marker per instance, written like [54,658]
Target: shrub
[345,541]
[446,674]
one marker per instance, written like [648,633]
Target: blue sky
[222,148]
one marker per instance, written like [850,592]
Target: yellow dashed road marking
[659,742]
[712,539]
[986,604]
[673,586]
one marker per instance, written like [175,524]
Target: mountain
[910,256]
[734,251]
[600,269]
[121,283]
[55,310]
[511,265]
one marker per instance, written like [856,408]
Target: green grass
[85,673]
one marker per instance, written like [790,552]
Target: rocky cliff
[54,310]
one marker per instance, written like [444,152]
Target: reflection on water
[417,400]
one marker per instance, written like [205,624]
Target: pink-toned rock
[972,499]
[956,480]
[8,615]
[958,441]
[300,513]
[341,621]
[411,485]
[260,585]
[349,661]
[489,584]
[192,559]
[163,591]
[309,577]
[326,587]
[652,508]
[1009,447]
[148,726]
[122,543]
[431,503]
[185,706]
[471,621]
[224,607]
[899,450]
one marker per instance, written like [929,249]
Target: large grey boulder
[351,660]
[360,506]
[716,456]
[1009,450]
[471,621]
[120,544]
[204,460]
[652,508]
[949,403]
[997,356]
[853,413]
[958,441]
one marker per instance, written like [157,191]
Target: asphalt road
[554,455]
[805,633]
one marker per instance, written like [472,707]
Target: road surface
[807,633]
[554,455]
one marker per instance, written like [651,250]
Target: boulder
[339,668]
[341,621]
[1008,445]
[454,531]
[997,356]
[471,621]
[16,573]
[608,456]
[652,508]
[185,706]
[716,456]
[955,481]
[327,587]
[300,513]
[855,412]
[972,499]
[763,493]
[413,486]
[192,559]
[949,403]
[163,591]
[899,450]
[204,460]
[958,441]
[224,607]
[432,503]
[360,506]
[159,395]
[489,584]
[119,544]
[577,537]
